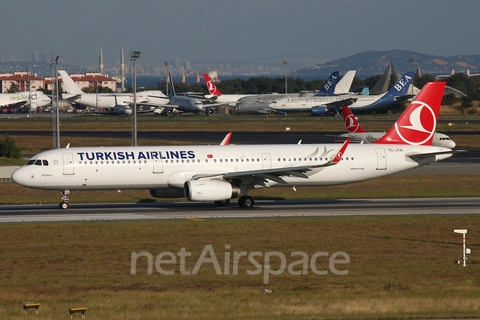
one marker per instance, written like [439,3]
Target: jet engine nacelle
[319,110]
[167,193]
[120,109]
[210,190]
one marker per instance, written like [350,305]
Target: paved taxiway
[262,209]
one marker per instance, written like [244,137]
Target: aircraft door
[68,168]
[381,159]
[266,161]
[157,166]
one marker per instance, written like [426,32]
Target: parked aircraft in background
[110,103]
[358,134]
[24,100]
[219,173]
[185,103]
[320,105]
[217,96]
[259,103]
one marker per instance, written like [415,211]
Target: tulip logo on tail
[211,87]
[418,127]
[350,124]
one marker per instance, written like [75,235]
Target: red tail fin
[350,122]
[416,125]
[212,88]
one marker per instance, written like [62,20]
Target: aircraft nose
[451,144]
[18,176]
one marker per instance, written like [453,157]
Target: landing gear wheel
[209,112]
[169,112]
[246,202]
[222,203]
[63,205]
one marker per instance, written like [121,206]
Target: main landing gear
[246,202]
[64,204]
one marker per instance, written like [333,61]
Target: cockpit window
[45,162]
[38,162]
[30,162]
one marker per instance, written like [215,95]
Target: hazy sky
[221,30]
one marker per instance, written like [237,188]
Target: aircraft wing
[72,98]
[15,104]
[340,103]
[262,175]
[214,104]
[405,97]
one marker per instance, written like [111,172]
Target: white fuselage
[36,98]
[110,100]
[227,99]
[151,167]
[307,103]
[187,104]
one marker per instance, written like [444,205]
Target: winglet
[340,153]
[416,125]
[350,122]
[212,88]
[226,140]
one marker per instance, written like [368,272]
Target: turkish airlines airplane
[358,134]
[220,173]
[215,94]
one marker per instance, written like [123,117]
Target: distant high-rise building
[35,56]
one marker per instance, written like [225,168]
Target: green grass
[401,267]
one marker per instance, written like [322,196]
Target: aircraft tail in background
[350,121]
[70,86]
[212,88]
[328,88]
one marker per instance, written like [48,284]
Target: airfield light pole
[133,57]
[166,83]
[464,251]
[286,73]
[56,103]
[29,93]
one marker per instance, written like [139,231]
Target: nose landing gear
[64,204]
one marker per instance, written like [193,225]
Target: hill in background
[375,62]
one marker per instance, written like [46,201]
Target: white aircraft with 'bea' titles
[110,103]
[31,100]
[320,105]
[222,172]
[358,134]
